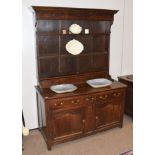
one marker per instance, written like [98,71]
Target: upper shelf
[61,34]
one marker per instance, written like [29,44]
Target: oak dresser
[87,110]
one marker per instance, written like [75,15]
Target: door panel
[104,112]
[67,123]
[107,112]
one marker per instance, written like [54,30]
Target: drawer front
[108,96]
[66,103]
[72,102]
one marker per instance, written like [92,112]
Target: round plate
[75,28]
[74,47]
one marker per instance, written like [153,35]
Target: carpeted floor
[111,142]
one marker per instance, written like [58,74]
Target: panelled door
[67,123]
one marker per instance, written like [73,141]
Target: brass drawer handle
[103,97]
[116,94]
[88,99]
[92,98]
[76,102]
[96,117]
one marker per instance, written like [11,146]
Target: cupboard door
[103,112]
[107,112]
[68,123]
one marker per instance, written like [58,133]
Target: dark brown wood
[83,112]
[81,78]
[128,80]
[68,116]
[52,58]
[73,13]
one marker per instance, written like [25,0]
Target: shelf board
[60,34]
[69,55]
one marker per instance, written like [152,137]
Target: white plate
[63,88]
[74,47]
[75,28]
[97,83]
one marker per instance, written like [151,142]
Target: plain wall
[127,52]
[120,47]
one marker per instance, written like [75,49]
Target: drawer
[107,96]
[66,103]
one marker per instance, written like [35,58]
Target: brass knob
[96,117]
[87,99]
[76,102]
[55,104]
[92,98]
[83,120]
[61,103]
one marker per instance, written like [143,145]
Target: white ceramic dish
[63,88]
[98,83]
[74,47]
[75,28]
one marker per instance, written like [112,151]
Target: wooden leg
[49,146]
[121,125]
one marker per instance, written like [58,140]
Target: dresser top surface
[83,89]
